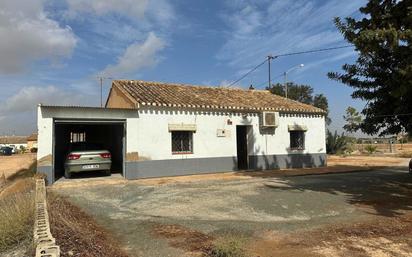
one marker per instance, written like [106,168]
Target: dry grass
[16,212]
[77,233]
[366,161]
[189,240]
[229,246]
[196,243]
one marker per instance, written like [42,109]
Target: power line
[247,73]
[287,54]
[390,115]
[264,82]
[313,51]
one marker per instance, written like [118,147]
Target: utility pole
[270,57]
[285,74]
[101,89]
[286,83]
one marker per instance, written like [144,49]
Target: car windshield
[83,146]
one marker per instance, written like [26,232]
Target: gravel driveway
[247,206]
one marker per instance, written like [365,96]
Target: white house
[15,142]
[158,129]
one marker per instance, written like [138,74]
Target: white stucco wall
[153,139]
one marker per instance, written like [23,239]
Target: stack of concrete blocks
[43,239]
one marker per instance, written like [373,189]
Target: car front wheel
[107,172]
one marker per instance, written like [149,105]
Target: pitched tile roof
[190,96]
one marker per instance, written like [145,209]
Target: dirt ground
[281,212]
[10,165]
[351,214]
[77,234]
[367,161]
[379,237]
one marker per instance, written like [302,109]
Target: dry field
[10,165]
[367,161]
[16,205]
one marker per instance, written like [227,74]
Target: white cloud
[332,58]
[28,35]
[273,27]
[155,10]
[136,56]
[27,98]
[129,7]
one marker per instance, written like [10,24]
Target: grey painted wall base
[179,167]
[289,161]
[48,171]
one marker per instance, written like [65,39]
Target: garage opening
[104,135]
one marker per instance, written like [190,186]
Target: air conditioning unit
[270,119]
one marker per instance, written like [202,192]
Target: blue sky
[55,50]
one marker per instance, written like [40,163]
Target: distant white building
[159,129]
[15,142]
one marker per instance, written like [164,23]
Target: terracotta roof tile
[190,96]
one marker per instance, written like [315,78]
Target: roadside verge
[43,239]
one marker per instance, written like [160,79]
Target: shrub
[17,214]
[370,149]
[228,246]
[22,149]
[335,143]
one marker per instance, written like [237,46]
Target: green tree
[382,74]
[303,94]
[300,93]
[353,120]
[321,102]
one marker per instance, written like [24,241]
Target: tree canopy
[353,120]
[303,94]
[382,74]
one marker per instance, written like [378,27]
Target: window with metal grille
[77,137]
[182,142]
[297,140]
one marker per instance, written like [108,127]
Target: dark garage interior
[109,135]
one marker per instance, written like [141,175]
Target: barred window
[297,140]
[182,142]
[77,137]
